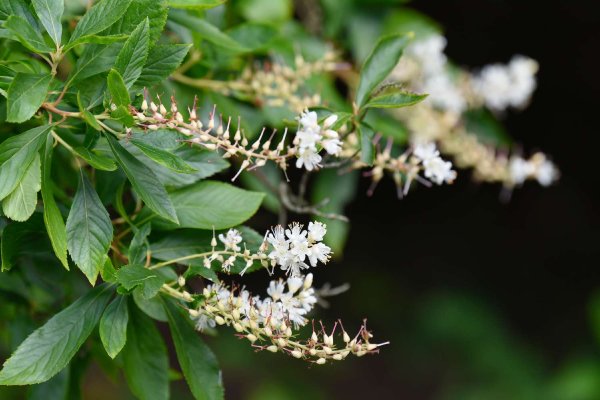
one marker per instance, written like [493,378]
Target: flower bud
[272,348]
[219,320]
[321,361]
[251,337]
[297,354]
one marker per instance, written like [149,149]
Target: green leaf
[206,30]
[155,10]
[195,4]
[379,64]
[16,154]
[367,151]
[122,114]
[144,182]
[130,276]
[145,359]
[102,15]
[165,158]
[161,62]
[253,36]
[55,225]
[211,204]
[96,39]
[89,230]
[133,55]
[96,160]
[394,98]
[113,326]
[197,361]
[26,34]
[151,307]
[483,124]
[20,204]
[95,59]
[50,13]
[25,95]
[205,162]
[118,90]
[55,388]
[50,348]
[21,239]
[139,244]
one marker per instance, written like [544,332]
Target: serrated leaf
[394,98]
[145,359]
[50,348]
[195,4]
[25,95]
[55,225]
[130,276]
[113,326]
[161,62]
[133,55]
[102,15]
[379,64]
[16,154]
[155,10]
[50,13]
[20,204]
[367,150]
[139,244]
[211,204]
[117,89]
[198,363]
[26,34]
[89,230]
[97,39]
[206,30]
[162,157]
[95,59]
[206,163]
[144,182]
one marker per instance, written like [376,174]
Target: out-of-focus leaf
[197,361]
[20,204]
[379,64]
[50,348]
[145,358]
[195,4]
[113,326]
[206,30]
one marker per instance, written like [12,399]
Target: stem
[52,108]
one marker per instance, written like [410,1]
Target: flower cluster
[292,246]
[425,158]
[537,167]
[502,86]
[452,92]
[311,136]
[273,319]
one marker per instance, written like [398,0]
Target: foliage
[134,187]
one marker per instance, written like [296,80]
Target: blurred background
[480,299]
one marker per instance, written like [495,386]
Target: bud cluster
[271,323]
[279,85]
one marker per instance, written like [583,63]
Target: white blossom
[439,171]
[547,173]
[231,239]
[502,86]
[292,246]
[309,158]
[311,136]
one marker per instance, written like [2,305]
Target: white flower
[231,239]
[443,93]
[294,283]
[316,231]
[520,169]
[332,146]
[307,138]
[439,171]
[309,158]
[292,246]
[320,252]
[329,121]
[546,173]
[429,53]
[501,86]
[426,151]
[309,120]
[276,289]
